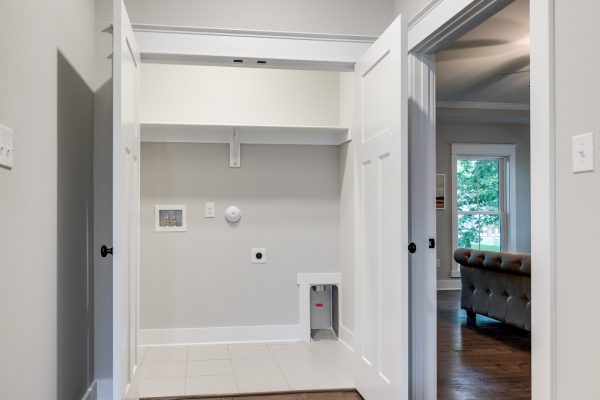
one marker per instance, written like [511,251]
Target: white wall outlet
[209,210]
[7,150]
[259,256]
[583,153]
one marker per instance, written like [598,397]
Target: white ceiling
[480,66]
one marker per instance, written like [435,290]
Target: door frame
[439,23]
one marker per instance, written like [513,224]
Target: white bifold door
[380,141]
[126,206]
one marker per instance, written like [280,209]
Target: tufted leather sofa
[497,285]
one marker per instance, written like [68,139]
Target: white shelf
[248,134]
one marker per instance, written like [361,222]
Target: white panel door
[126,202]
[382,228]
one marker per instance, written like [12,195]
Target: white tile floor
[244,368]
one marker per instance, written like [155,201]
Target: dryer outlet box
[259,256]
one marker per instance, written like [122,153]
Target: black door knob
[105,251]
[412,248]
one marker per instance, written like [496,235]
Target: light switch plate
[583,153]
[209,210]
[7,158]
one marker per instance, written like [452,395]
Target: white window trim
[508,151]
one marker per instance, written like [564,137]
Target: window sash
[502,211]
[481,213]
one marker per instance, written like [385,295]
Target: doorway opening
[420,63]
[479,100]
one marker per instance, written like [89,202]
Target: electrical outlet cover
[259,256]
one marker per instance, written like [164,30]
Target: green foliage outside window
[478,189]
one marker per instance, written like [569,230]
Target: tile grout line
[235,381]
[279,367]
[330,371]
[210,374]
[185,380]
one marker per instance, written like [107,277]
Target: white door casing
[126,203]
[381,143]
[422,227]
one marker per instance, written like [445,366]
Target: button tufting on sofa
[497,285]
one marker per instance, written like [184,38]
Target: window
[482,199]
[480,205]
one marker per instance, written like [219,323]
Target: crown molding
[480,105]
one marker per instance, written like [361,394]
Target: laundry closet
[260,211]
[275,143]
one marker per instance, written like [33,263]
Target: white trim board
[214,335]
[422,117]
[347,337]
[104,389]
[441,22]
[198,30]
[543,197]
[479,105]
[248,134]
[91,393]
[448,285]
[223,46]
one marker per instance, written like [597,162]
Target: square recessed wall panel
[170,218]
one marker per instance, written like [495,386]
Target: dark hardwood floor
[314,395]
[489,361]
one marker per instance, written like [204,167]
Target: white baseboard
[91,393]
[104,389]
[448,284]
[229,334]
[347,337]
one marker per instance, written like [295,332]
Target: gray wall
[577,200]
[321,16]
[448,133]
[75,233]
[30,34]
[290,200]
[103,191]
[347,247]
[409,8]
